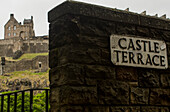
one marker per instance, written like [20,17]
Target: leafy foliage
[38,102]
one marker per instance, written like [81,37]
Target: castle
[21,37]
[15,29]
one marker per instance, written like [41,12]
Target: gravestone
[107,60]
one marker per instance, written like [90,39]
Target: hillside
[28,56]
[25,73]
[20,80]
[28,61]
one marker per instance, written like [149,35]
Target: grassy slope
[23,74]
[27,56]
[19,75]
[30,74]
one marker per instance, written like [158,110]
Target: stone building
[15,29]
[21,37]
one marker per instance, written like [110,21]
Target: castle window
[14,34]
[9,28]
[40,64]
[9,34]
[15,27]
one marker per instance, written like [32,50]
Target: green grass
[22,74]
[19,75]
[28,56]
[27,72]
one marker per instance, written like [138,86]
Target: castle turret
[15,29]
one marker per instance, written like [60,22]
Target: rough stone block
[91,82]
[160,97]
[165,35]
[160,34]
[53,55]
[54,92]
[113,92]
[95,27]
[139,95]
[165,80]
[106,57]
[70,74]
[54,99]
[61,39]
[153,22]
[64,31]
[126,73]
[80,30]
[125,109]
[125,29]
[94,41]
[142,31]
[156,34]
[54,108]
[71,109]
[148,78]
[79,54]
[97,109]
[67,22]
[67,38]
[99,72]
[154,109]
[78,95]
[168,49]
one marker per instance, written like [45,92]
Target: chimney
[31,17]
[127,9]
[11,16]
[143,13]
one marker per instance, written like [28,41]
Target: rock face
[82,76]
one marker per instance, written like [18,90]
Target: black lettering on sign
[117,55]
[153,60]
[156,47]
[144,44]
[139,58]
[162,60]
[148,60]
[150,47]
[131,45]
[138,45]
[138,52]
[119,42]
[124,57]
[131,58]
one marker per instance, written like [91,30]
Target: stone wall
[82,76]
[25,64]
[35,45]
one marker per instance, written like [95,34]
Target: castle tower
[14,29]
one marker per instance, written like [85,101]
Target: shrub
[38,102]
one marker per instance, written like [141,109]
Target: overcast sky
[39,8]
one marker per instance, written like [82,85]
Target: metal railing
[15,94]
